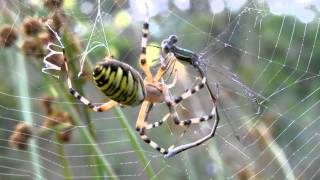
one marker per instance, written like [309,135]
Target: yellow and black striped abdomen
[120,82]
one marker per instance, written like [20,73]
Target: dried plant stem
[268,142]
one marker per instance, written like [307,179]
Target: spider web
[264,51]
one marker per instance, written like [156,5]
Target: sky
[304,10]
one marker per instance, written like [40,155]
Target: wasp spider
[124,85]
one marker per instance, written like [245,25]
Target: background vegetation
[275,56]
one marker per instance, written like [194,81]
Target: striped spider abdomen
[119,82]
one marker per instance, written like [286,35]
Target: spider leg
[196,120]
[175,150]
[172,151]
[144,40]
[169,62]
[140,123]
[142,127]
[189,92]
[174,81]
[187,122]
[158,123]
[174,115]
[82,99]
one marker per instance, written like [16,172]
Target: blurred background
[261,60]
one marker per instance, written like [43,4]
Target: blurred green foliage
[276,56]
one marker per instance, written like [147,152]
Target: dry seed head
[262,134]
[58,118]
[44,37]
[65,136]
[33,47]
[32,26]
[53,4]
[20,136]
[86,75]
[246,174]
[24,129]
[18,141]
[55,21]
[57,59]
[47,104]
[8,36]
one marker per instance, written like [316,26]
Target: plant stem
[88,139]
[134,141]
[98,171]
[23,91]
[218,162]
[190,166]
[64,161]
